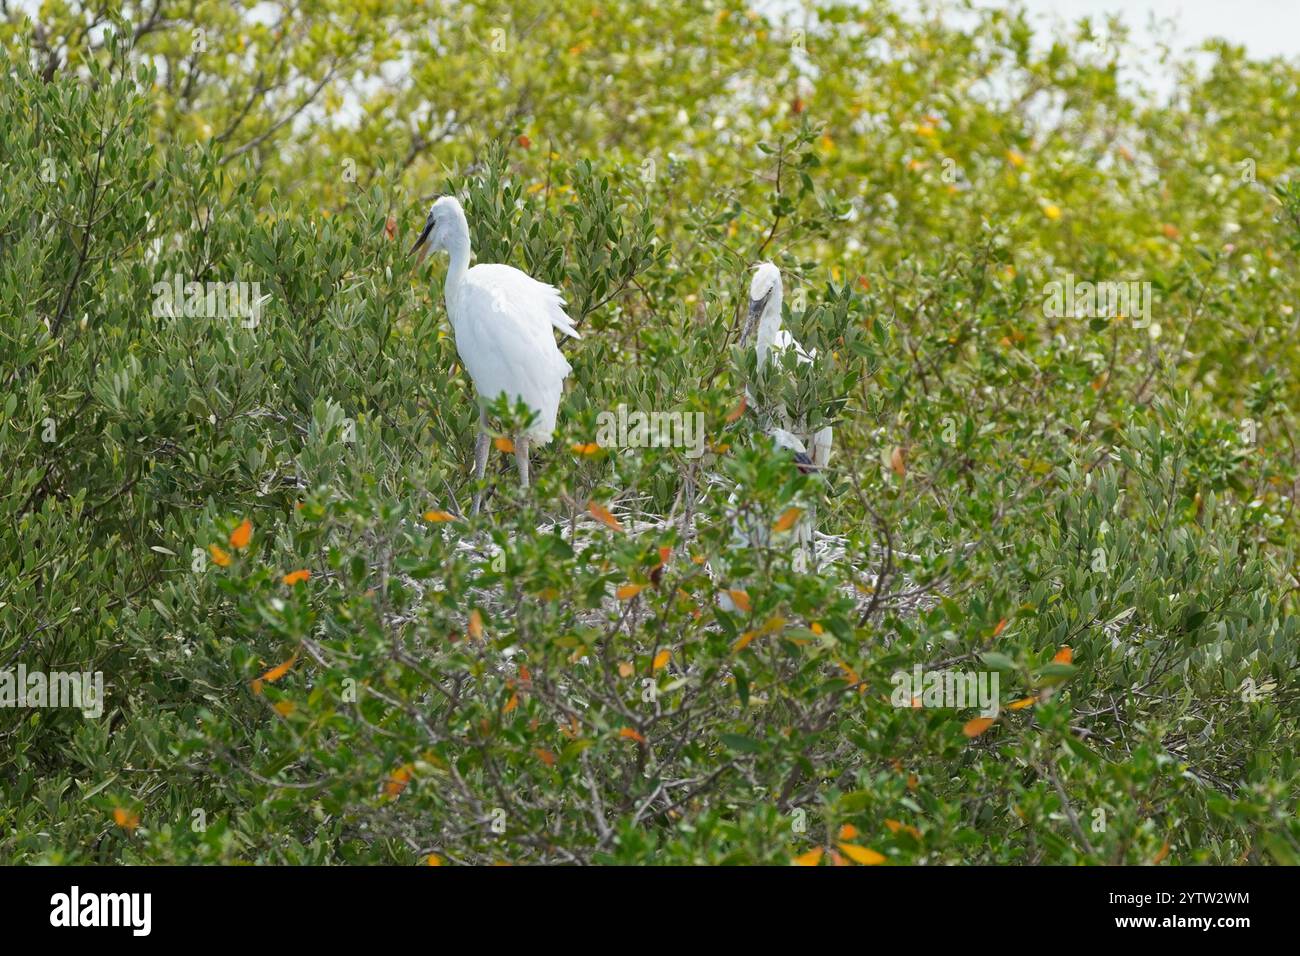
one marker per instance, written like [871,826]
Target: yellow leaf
[293,577]
[661,659]
[284,707]
[603,515]
[976,726]
[743,641]
[811,858]
[219,557]
[1052,211]
[630,734]
[740,599]
[1064,656]
[1015,158]
[436,516]
[860,854]
[243,534]
[788,519]
[1022,703]
[476,624]
[125,819]
[504,445]
[629,591]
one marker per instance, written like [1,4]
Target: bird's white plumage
[771,342]
[503,320]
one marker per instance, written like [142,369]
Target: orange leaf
[433,860]
[1022,703]
[1164,852]
[219,557]
[240,537]
[625,669]
[524,141]
[545,756]
[439,516]
[743,641]
[895,826]
[661,659]
[736,412]
[511,704]
[1001,626]
[740,599]
[603,515]
[504,445]
[590,448]
[860,854]
[274,674]
[848,832]
[976,726]
[788,519]
[811,858]
[629,591]
[630,734]
[1064,656]
[476,624]
[398,780]
[896,462]
[125,819]
[293,577]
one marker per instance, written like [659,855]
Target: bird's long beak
[756,307]
[419,243]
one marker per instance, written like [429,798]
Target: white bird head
[764,298]
[445,227]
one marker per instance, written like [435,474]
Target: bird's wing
[785,340]
[519,287]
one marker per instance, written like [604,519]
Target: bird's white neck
[458,252]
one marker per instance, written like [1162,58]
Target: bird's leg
[521,458]
[480,459]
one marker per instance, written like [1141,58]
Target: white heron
[502,319]
[811,449]
[765,296]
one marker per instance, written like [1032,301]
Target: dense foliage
[1099,510]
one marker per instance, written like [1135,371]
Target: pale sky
[1264,27]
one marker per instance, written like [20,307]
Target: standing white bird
[502,319]
[765,313]
[812,450]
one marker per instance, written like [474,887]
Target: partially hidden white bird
[503,320]
[811,449]
[765,300]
